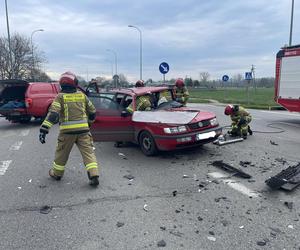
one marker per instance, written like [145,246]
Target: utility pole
[9,43]
[291,26]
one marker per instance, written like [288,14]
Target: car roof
[140,90]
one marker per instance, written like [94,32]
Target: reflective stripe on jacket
[143,103]
[73,109]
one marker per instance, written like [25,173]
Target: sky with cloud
[220,37]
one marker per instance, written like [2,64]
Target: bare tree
[204,77]
[22,61]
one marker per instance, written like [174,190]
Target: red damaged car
[168,126]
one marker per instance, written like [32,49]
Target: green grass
[262,98]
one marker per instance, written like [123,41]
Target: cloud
[192,36]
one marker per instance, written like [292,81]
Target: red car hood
[174,116]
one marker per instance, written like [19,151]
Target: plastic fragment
[146,207]
[211,238]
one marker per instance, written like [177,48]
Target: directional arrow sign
[164,68]
[225,78]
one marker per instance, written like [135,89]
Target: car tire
[147,143]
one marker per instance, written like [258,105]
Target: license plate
[205,135]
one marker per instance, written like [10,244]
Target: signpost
[248,78]
[225,78]
[164,69]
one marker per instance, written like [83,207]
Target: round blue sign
[225,78]
[164,68]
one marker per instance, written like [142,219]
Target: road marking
[24,132]
[280,113]
[4,166]
[16,146]
[233,184]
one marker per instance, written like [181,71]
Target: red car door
[110,125]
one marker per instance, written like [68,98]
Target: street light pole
[291,26]
[141,50]
[9,42]
[32,54]
[116,59]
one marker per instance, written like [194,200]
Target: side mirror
[124,113]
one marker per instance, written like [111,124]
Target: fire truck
[287,80]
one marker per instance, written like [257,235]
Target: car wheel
[147,143]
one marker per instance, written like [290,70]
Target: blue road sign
[164,68]
[248,76]
[225,78]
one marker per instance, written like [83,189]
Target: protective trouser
[84,143]
[240,130]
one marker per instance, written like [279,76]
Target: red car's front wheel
[147,143]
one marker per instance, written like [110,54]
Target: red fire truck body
[287,81]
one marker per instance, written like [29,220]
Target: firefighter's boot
[93,177]
[250,131]
[55,175]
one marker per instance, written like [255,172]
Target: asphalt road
[176,200]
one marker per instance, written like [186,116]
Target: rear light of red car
[28,102]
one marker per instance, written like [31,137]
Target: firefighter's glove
[42,136]
[241,122]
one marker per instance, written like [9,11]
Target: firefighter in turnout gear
[75,113]
[180,92]
[240,119]
[143,103]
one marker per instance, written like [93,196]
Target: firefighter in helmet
[75,113]
[180,91]
[240,119]
[143,103]
[139,83]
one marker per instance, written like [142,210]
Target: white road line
[280,113]
[233,184]
[16,146]
[24,132]
[4,166]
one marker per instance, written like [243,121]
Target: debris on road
[123,156]
[245,163]
[200,218]
[231,169]
[30,181]
[120,224]
[287,179]
[273,143]
[261,243]
[45,209]
[211,238]
[174,193]
[185,176]
[241,227]
[289,204]
[19,188]
[291,226]
[281,160]
[225,223]
[146,207]
[129,177]
[161,243]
